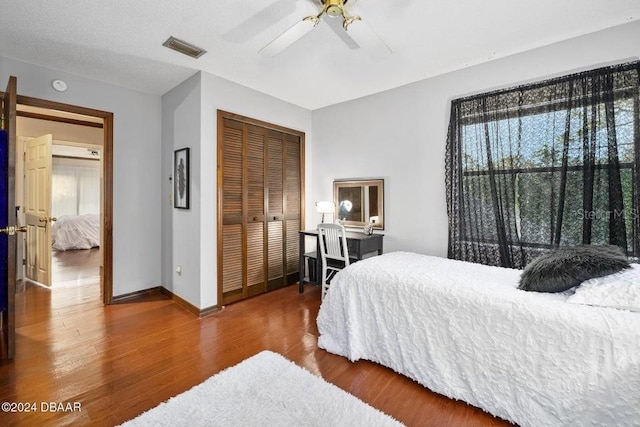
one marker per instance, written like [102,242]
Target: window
[75,187]
[549,164]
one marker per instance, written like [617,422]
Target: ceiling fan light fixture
[333,8]
[334,11]
[313,19]
[336,8]
[348,20]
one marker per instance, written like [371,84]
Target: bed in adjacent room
[464,330]
[72,232]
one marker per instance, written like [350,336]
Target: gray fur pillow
[569,266]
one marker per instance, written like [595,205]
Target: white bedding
[76,232]
[465,331]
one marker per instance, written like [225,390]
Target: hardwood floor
[121,360]
[69,266]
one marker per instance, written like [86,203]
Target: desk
[358,244]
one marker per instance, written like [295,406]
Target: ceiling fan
[354,32]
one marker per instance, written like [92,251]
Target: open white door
[37,204]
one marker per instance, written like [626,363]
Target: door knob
[11,230]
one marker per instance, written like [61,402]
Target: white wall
[194,232]
[181,235]
[400,135]
[137,154]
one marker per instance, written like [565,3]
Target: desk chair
[332,241]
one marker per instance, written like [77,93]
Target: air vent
[184,47]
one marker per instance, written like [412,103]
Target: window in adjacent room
[75,187]
[547,164]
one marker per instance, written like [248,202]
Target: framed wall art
[181,178]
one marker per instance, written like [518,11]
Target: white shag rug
[264,390]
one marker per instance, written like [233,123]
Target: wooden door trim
[248,120]
[219,196]
[106,249]
[50,118]
[302,184]
[107,220]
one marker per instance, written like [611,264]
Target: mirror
[359,201]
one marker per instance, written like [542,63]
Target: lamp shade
[325,207]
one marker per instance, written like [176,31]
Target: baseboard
[187,305]
[132,296]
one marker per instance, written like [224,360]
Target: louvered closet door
[259,201]
[283,215]
[243,206]
[275,210]
[292,202]
[256,227]
[231,188]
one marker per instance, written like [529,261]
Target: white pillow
[620,290]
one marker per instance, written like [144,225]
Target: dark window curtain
[538,166]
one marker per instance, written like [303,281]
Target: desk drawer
[353,246]
[371,244]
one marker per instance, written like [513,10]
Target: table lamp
[325,207]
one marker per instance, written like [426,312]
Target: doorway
[9,227]
[81,157]
[72,201]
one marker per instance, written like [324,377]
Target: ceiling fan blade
[336,25]
[368,40]
[261,21]
[287,38]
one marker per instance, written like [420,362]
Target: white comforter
[465,331]
[76,232]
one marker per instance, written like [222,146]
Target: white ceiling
[120,41]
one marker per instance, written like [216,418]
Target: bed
[465,331]
[72,232]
